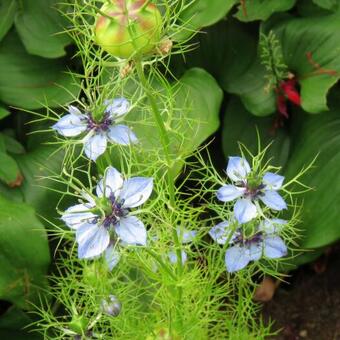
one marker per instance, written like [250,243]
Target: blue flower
[185,236]
[247,192]
[109,214]
[98,133]
[264,242]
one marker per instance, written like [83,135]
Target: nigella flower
[98,133]
[264,242]
[111,306]
[185,236]
[247,191]
[109,214]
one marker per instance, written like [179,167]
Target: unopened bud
[111,306]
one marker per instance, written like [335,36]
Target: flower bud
[127,27]
[111,306]
[79,324]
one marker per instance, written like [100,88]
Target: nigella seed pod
[111,306]
[125,28]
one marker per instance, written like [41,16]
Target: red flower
[287,90]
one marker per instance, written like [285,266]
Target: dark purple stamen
[247,241]
[103,125]
[117,212]
[252,192]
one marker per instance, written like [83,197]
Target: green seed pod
[79,324]
[128,27]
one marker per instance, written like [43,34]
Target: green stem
[165,141]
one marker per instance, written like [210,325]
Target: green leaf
[309,48]
[262,9]
[12,145]
[32,82]
[320,135]
[327,4]
[7,12]
[24,253]
[9,170]
[39,25]
[202,13]
[4,112]
[240,126]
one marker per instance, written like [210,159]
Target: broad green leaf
[7,12]
[318,135]
[240,126]
[4,112]
[9,170]
[202,13]
[24,253]
[311,50]
[12,145]
[262,9]
[32,82]
[327,4]
[40,25]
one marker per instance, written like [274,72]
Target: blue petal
[173,256]
[229,192]
[70,125]
[244,210]
[186,236]
[238,168]
[111,183]
[92,240]
[95,146]
[272,226]
[220,233]
[131,231]
[73,110]
[117,107]
[77,215]
[274,247]
[236,258]
[122,134]
[255,251]
[272,181]
[112,257]
[273,200]
[136,191]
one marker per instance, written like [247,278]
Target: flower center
[116,212]
[248,240]
[103,125]
[253,191]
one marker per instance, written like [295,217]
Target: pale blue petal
[70,125]
[221,232]
[77,215]
[112,257]
[136,191]
[131,231]
[186,236]
[117,107]
[236,258]
[272,181]
[255,251]
[173,256]
[122,134]
[111,183]
[229,192]
[244,210]
[272,226]
[274,247]
[273,200]
[95,146]
[92,240]
[238,168]
[73,110]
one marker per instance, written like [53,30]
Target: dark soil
[308,306]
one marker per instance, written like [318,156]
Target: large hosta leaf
[31,82]
[262,9]
[319,135]
[7,13]
[202,13]
[24,253]
[40,25]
